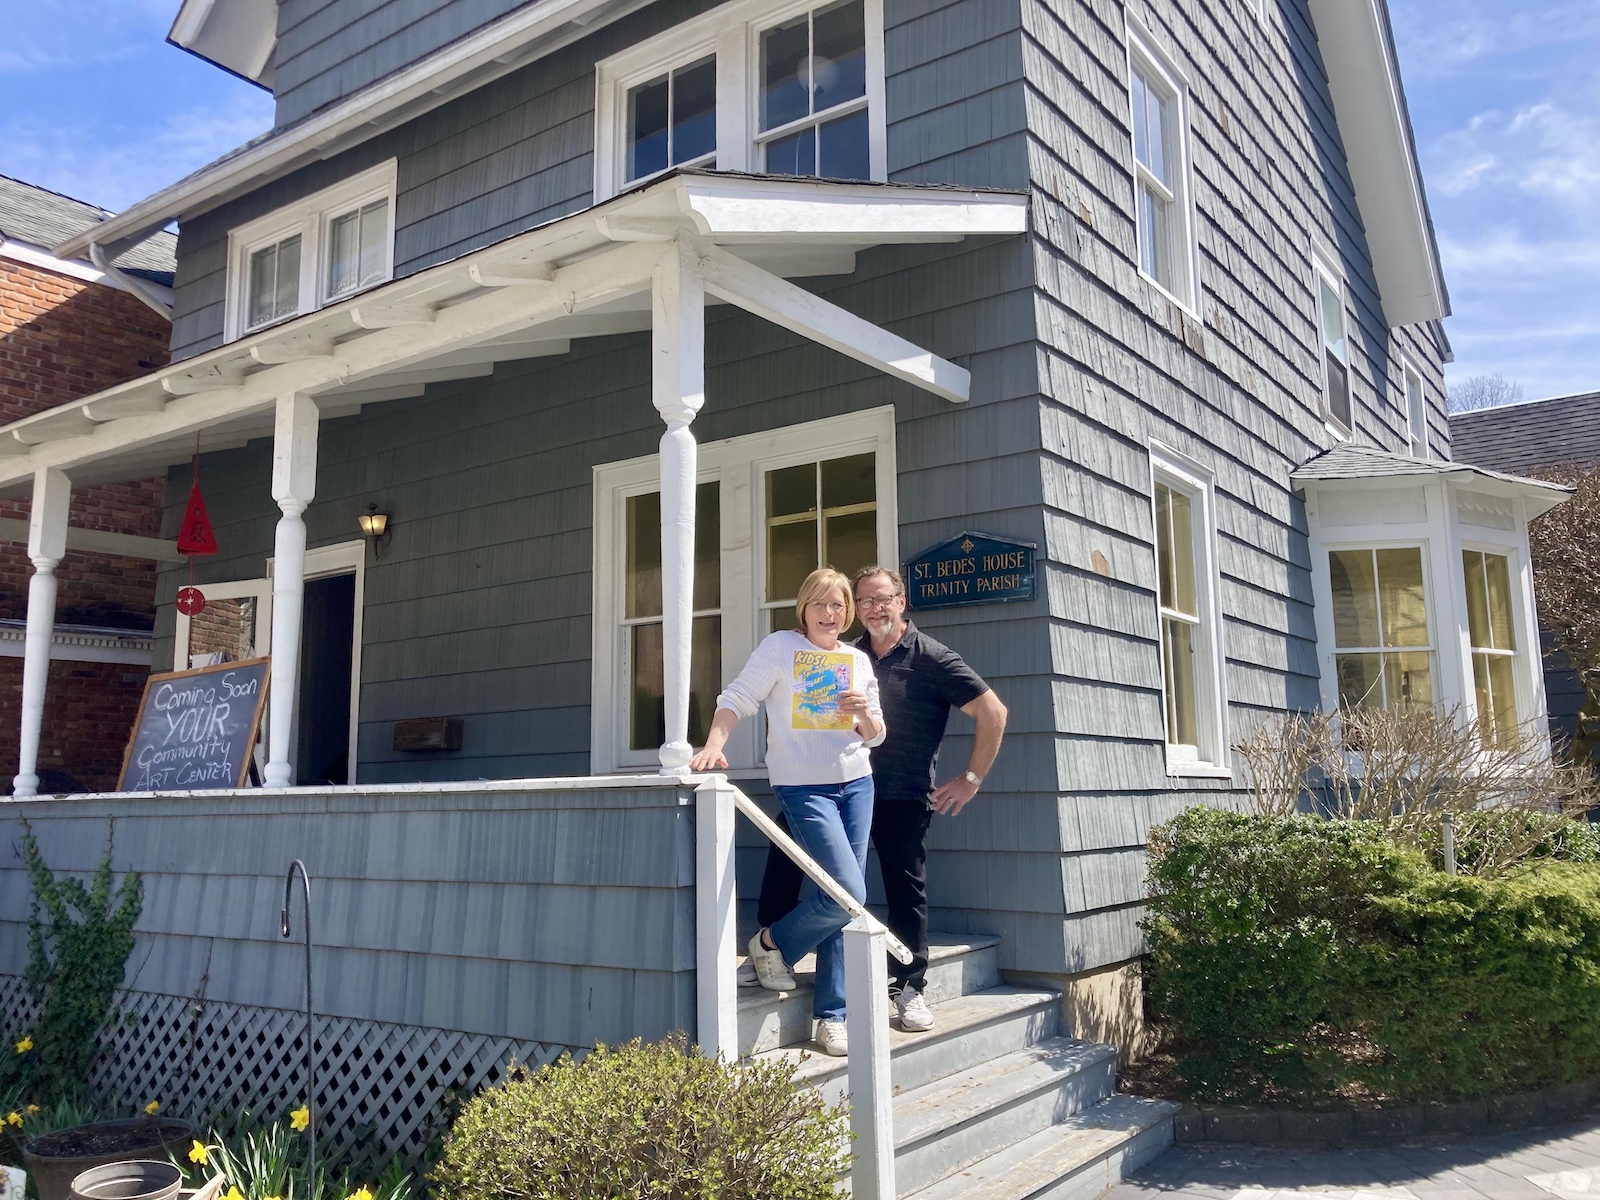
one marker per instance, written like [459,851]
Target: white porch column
[294,482]
[47,542]
[716,936]
[866,999]
[677,378]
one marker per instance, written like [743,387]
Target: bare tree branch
[1482,391]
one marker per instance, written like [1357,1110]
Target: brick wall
[62,338]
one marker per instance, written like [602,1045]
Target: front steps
[995,1102]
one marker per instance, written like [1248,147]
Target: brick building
[67,330]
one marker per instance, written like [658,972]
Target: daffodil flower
[198,1154]
[234,1193]
[300,1118]
[32,1108]
[14,1119]
[361,1193]
[152,1108]
[25,1045]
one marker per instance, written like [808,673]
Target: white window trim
[341,558]
[1179,471]
[732,32]
[1417,439]
[309,218]
[1325,267]
[737,465]
[1529,699]
[1144,48]
[1435,649]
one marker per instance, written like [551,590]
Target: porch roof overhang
[583,275]
[1363,468]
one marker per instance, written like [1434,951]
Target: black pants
[900,836]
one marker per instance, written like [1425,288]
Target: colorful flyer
[819,677]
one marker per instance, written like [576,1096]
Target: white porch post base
[866,998]
[47,543]
[716,923]
[294,478]
[677,384]
[35,671]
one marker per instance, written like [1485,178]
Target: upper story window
[787,88]
[1416,411]
[1383,652]
[1187,603]
[1162,211]
[1334,339]
[327,246]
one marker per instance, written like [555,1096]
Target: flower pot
[56,1159]
[135,1179]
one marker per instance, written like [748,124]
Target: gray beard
[881,629]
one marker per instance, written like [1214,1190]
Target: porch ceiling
[528,296]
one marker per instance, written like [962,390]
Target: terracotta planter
[56,1159]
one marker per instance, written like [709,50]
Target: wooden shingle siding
[485,912]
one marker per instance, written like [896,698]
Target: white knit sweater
[797,680]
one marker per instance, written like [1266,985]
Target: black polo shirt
[919,681]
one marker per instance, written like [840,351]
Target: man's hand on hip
[950,798]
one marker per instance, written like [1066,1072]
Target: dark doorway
[327,643]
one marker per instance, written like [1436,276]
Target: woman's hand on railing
[708,759]
[711,757]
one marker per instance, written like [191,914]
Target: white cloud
[75,33]
[112,165]
[1543,150]
[1446,37]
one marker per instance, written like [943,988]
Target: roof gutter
[131,284]
[497,49]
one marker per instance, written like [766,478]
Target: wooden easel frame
[255,718]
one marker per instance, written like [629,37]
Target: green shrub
[1302,959]
[643,1120]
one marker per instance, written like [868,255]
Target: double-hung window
[788,87]
[1333,337]
[1163,221]
[1383,652]
[328,246]
[1187,606]
[1492,631]
[1416,411]
[770,508]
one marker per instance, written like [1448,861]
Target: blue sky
[1504,94]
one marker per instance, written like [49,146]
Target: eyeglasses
[830,606]
[879,601]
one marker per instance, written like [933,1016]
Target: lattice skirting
[382,1089]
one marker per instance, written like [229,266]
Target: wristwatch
[974,780]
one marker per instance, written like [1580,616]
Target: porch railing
[866,982]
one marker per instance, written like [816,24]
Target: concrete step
[950,1123]
[967,1031]
[958,965]
[1076,1159]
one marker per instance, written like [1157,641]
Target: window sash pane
[1353,582]
[1477,599]
[1178,659]
[1402,604]
[647,717]
[1494,683]
[649,114]
[374,241]
[844,148]
[274,281]
[1338,388]
[642,552]
[1497,577]
[694,111]
[1155,236]
[785,72]
[1416,417]
[839,55]
[1332,311]
[1152,123]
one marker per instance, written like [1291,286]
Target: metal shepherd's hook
[311,1054]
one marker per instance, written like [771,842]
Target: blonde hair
[817,585]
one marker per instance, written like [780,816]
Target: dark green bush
[1303,959]
[654,1121]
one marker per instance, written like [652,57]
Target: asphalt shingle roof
[1366,462]
[44,218]
[1525,437]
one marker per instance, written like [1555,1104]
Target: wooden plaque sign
[196,728]
[971,568]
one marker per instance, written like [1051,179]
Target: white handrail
[816,874]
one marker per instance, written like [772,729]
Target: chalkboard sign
[971,568]
[196,728]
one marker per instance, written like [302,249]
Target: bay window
[1383,652]
[786,88]
[1491,630]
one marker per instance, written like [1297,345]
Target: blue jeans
[832,822]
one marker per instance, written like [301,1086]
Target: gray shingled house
[626,314]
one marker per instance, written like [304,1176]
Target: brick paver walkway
[1535,1164]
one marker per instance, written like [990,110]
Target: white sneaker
[771,970]
[915,1016]
[832,1038]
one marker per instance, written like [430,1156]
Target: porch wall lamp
[374,527]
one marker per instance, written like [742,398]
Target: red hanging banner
[194,535]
